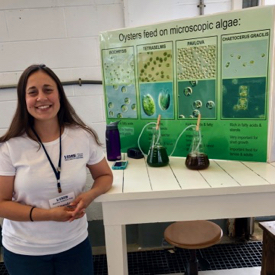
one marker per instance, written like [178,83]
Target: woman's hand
[65,213]
[103,179]
[79,205]
[9,209]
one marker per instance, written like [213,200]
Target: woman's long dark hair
[22,121]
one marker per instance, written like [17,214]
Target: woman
[43,160]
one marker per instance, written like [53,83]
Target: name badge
[62,200]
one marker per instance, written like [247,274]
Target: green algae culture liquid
[157,156]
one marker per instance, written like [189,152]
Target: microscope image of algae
[247,59]
[196,62]
[164,100]
[243,90]
[244,98]
[242,103]
[119,69]
[196,97]
[155,66]
[156,99]
[148,105]
[121,101]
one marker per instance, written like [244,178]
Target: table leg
[116,249]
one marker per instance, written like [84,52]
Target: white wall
[154,11]
[64,35]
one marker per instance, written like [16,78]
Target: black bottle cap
[113,125]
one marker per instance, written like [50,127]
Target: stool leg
[192,268]
[204,264]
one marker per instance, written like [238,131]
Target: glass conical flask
[157,154]
[196,159]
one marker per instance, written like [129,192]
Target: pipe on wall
[79,82]
[201,6]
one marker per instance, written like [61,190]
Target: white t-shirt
[35,184]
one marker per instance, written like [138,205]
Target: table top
[269,227]
[140,181]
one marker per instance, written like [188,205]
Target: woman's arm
[103,178]
[9,209]
[18,212]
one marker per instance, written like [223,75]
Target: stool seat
[193,234]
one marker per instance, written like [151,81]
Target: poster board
[220,66]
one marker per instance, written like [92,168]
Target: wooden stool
[193,235]
[268,256]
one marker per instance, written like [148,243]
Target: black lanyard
[58,169]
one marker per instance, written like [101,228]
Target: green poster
[214,66]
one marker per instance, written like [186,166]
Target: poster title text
[221,24]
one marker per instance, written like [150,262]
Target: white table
[143,194]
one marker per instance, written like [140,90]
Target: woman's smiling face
[42,97]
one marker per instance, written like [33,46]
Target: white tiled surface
[235,271]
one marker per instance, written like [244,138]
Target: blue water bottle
[113,142]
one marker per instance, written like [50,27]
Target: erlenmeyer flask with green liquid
[157,154]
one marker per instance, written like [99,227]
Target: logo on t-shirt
[74,156]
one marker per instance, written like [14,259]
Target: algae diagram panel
[219,66]
[155,78]
[119,76]
[196,77]
[244,75]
